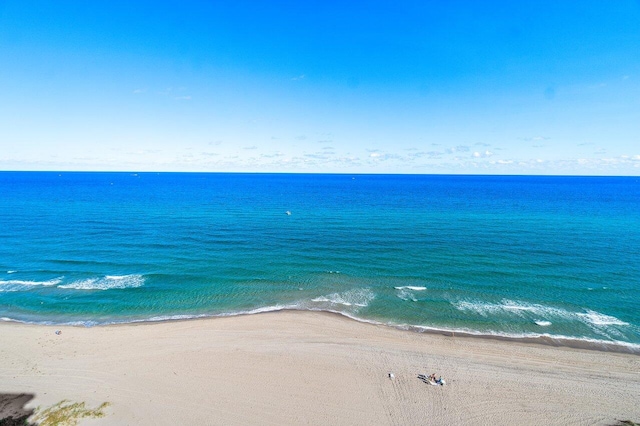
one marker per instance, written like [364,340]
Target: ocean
[522,257]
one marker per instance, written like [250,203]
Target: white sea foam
[410,287]
[332,298]
[172,317]
[597,319]
[22,285]
[509,306]
[32,283]
[601,324]
[516,308]
[406,292]
[11,272]
[359,297]
[273,308]
[406,295]
[107,282]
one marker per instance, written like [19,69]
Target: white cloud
[459,148]
[485,154]
[382,156]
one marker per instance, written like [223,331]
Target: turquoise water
[509,256]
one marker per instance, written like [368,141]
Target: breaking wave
[410,287]
[604,325]
[406,292]
[359,297]
[597,319]
[107,282]
[22,285]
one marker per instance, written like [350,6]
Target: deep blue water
[508,255]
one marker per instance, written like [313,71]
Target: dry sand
[312,368]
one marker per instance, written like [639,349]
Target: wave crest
[358,297]
[410,287]
[601,324]
[107,282]
[22,285]
[406,292]
[597,318]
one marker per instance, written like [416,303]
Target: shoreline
[539,339]
[296,367]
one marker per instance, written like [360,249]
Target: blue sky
[491,87]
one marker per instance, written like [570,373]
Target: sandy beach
[311,368]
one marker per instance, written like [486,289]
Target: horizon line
[313,173]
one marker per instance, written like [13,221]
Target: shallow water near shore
[509,256]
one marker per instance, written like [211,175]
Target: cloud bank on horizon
[493,87]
